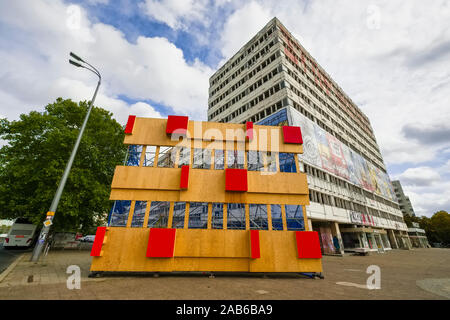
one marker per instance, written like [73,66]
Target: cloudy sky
[391,57]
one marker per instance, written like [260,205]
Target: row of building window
[371,141]
[325,199]
[250,75]
[375,152]
[310,170]
[172,157]
[242,109]
[266,94]
[245,92]
[354,109]
[249,63]
[261,40]
[160,213]
[307,100]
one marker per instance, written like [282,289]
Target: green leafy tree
[440,223]
[34,158]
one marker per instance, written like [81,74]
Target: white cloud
[420,176]
[177,14]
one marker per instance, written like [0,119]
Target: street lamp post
[50,214]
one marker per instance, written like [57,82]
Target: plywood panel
[126,248]
[149,131]
[279,254]
[212,243]
[207,184]
[231,197]
[146,178]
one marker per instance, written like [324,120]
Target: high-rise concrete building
[403,200]
[273,80]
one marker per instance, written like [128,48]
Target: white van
[21,234]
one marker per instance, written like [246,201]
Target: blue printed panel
[119,213]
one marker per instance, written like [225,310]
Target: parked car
[88,238]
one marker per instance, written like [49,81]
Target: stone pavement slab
[414,274]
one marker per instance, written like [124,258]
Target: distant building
[403,200]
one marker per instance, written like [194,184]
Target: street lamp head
[76,57]
[76,64]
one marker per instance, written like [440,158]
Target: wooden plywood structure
[213,229]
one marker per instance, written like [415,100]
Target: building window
[271,158]
[202,159]
[219,162]
[198,215]
[119,213]
[217,216]
[277,220]
[133,155]
[236,216]
[258,216]
[179,209]
[159,214]
[184,158]
[294,217]
[150,153]
[287,162]
[255,161]
[235,159]
[166,157]
[138,214]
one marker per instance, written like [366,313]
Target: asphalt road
[8,256]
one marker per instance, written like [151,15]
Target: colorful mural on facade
[323,150]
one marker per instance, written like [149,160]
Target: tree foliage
[34,158]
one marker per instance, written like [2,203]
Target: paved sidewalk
[414,274]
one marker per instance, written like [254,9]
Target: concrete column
[392,239]
[337,233]
[408,241]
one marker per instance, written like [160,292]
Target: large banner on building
[337,156]
[310,146]
[323,150]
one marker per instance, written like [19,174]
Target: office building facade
[273,80]
[403,200]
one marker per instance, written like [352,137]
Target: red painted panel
[249,132]
[292,135]
[236,179]
[161,243]
[130,124]
[98,242]
[178,123]
[184,180]
[308,245]
[254,241]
